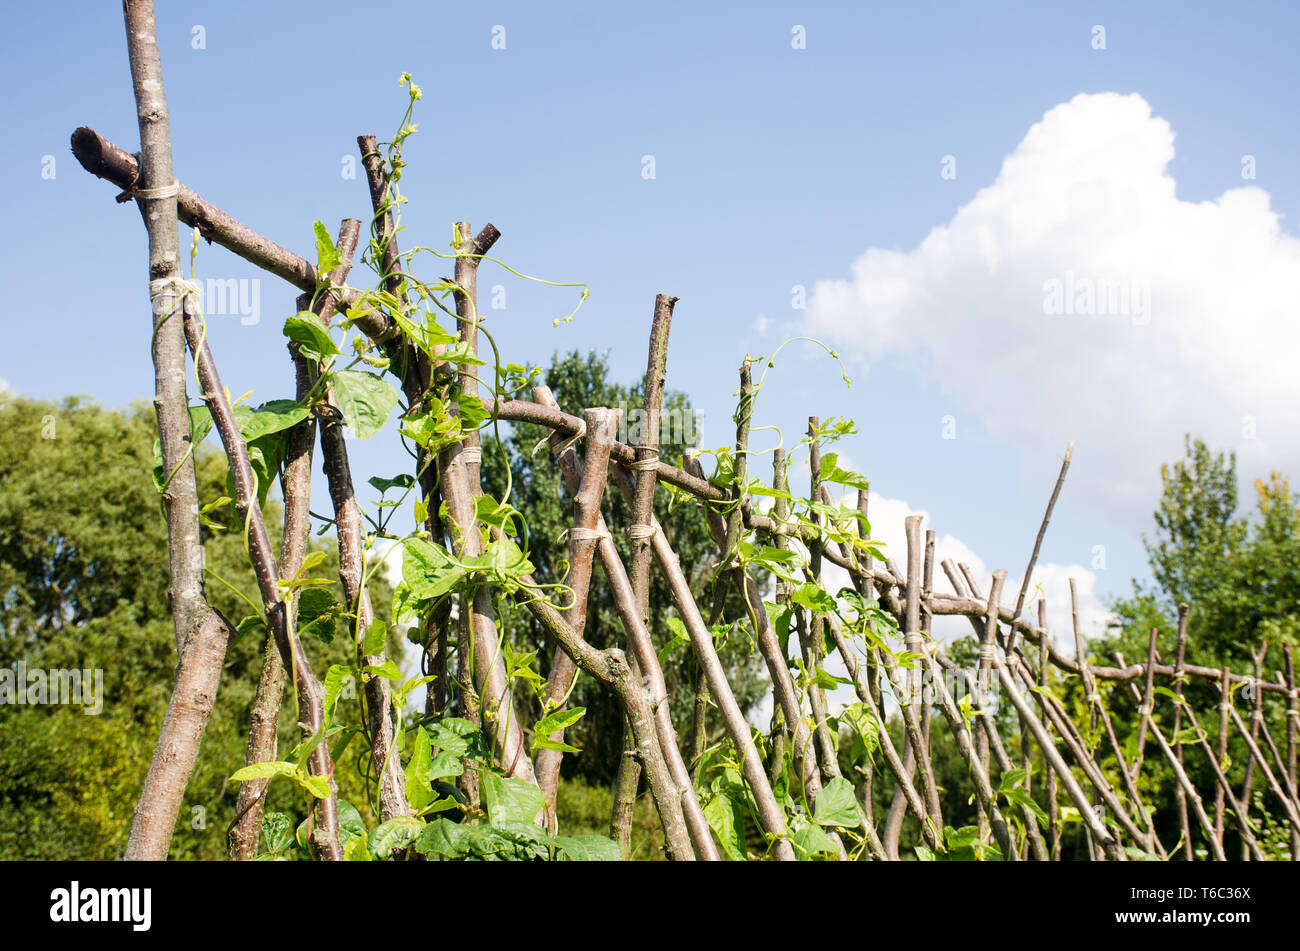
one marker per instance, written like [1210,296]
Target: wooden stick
[1038,544]
[588,528]
[1241,809]
[1148,698]
[1288,806]
[805,755]
[1044,683]
[202,634]
[295,487]
[1180,795]
[1094,824]
[381,713]
[599,440]
[979,772]
[639,532]
[1100,714]
[895,763]
[988,641]
[917,699]
[1292,722]
[811,633]
[968,683]
[1257,717]
[310,694]
[1185,784]
[611,668]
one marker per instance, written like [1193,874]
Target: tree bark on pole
[202,635]
[1292,723]
[311,696]
[1180,794]
[645,465]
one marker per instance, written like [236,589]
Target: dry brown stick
[985,712]
[979,772]
[914,764]
[1044,684]
[830,763]
[971,685]
[480,640]
[381,714]
[1221,754]
[414,370]
[310,694]
[738,730]
[460,488]
[1078,748]
[202,634]
[263,723]
[1257,717]
[1055,715]
[1180,795]
[1283,776]
[909,698]
[781,511]
[867,589]
[914,641]
[264,717]
[639,533]
[810,628]
[611,668]
[587,529]
[1024,590]
[988,644]
[1038,544]
[469,253]
[1224,787]
[1185,784]
[1288,806]
[600,435]
[895,763]
[1098,707]
[805,757]
[1148,699]
[899,803]
[1094,824]
[927,705]
[1292,725]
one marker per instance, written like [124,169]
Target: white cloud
[1084,204]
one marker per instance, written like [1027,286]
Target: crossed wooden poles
[1020,660]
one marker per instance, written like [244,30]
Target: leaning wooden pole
[202,634]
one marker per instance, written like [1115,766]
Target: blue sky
[774,167]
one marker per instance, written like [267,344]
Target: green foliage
[83,584]
[446,827]
[1240,575]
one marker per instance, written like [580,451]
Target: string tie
[166,191]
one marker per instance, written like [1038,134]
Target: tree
[1240,577]
[1239,574]
[83,585]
